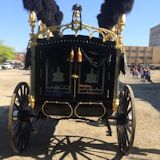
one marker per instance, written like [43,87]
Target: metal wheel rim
[19,138]
[126,133]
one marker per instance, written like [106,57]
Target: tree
[6,52]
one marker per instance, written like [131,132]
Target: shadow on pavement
[47,146]
[144,152]
[60,147]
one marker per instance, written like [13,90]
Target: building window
[141,57]
[134,51]
[141,51]
[149,54]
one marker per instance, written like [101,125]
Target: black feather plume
[125,6]
[111,10]
[58,16]
[37,5]
[27,4]
[46,10]
[32,5]
[46,15]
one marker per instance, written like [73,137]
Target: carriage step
[90,109]
[57,110]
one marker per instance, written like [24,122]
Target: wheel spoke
[23,143]
[126,136]
[125,95]
[26,91]
[127,104]
[125,92]
[118,134]
[19,139]
[18,131]
[124,139]
[121,138]
[128,111]
[22,90]
[19,98]
[128,129]
[125,99]
[19,108]
[27,133]
[17,124]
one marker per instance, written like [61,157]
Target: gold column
[33,43]
[120,49]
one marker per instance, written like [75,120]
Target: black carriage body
[73,76]
[59,78]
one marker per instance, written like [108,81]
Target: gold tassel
[72,55]
[79,55]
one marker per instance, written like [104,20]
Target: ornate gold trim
[105,33]
[75,26]
[115,104]
[32,101]
[57,102]
[32,21]
[119,29]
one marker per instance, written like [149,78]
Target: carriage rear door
[57,72]
[91,71]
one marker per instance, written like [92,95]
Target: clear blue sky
[14,27]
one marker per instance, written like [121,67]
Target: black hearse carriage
[74,76]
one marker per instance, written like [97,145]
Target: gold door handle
[75,76]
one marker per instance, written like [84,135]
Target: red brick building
[20,56]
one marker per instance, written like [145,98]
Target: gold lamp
[119,29]
[32,21]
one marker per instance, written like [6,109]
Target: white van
[6,66]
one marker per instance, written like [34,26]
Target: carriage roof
[76,26]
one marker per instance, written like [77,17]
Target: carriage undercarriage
[21,117]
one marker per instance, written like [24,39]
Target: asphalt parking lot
[78,140]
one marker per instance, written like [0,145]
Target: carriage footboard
[58,110]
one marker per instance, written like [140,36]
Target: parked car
[0,67]
[157,67]
[152,67]
[6,66]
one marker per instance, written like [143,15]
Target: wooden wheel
[19,123]
[126,120]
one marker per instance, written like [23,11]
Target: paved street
[77,140]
